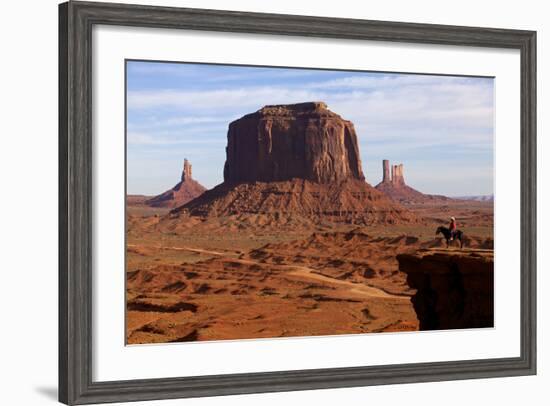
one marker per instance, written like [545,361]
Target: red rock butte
[283,142]
[395,188]
[295,161]
[184,191]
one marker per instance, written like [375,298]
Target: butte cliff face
[454,289]
[305,141]
[395,188]
[291,162]
[184,191]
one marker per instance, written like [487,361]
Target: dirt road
[355,289]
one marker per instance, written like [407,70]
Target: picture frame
[76,19]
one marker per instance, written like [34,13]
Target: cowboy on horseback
[452,228]
[451,233]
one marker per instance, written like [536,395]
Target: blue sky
[440,127]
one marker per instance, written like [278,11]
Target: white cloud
[178,121]
[193,70]
[381,81]
[214,100]
[422,110]
[137,138]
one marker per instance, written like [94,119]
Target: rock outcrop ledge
[455,289]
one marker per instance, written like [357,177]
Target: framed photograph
[259,202]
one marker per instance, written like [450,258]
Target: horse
[458,235]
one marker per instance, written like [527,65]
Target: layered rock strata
[305,141]
[455,289]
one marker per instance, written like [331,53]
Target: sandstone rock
[386,168]
[187,189]
[352,201]
[397,175]
[295,162]
[187,172]
[455,289]
[395,188]
[282,142]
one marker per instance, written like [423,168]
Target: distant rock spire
[187,171]
[395,187]
[397,175]
[184,191]
[386,168]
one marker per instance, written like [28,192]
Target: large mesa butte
[295,161]
[283,142]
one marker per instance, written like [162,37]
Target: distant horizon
[441,128]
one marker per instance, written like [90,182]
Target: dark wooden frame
[76,20]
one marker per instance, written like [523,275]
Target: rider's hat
[452,218]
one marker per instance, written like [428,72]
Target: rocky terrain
[453,289]
[252,295]
[297,201]
[323,284]
[295,242]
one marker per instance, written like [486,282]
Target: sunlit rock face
[283,142]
